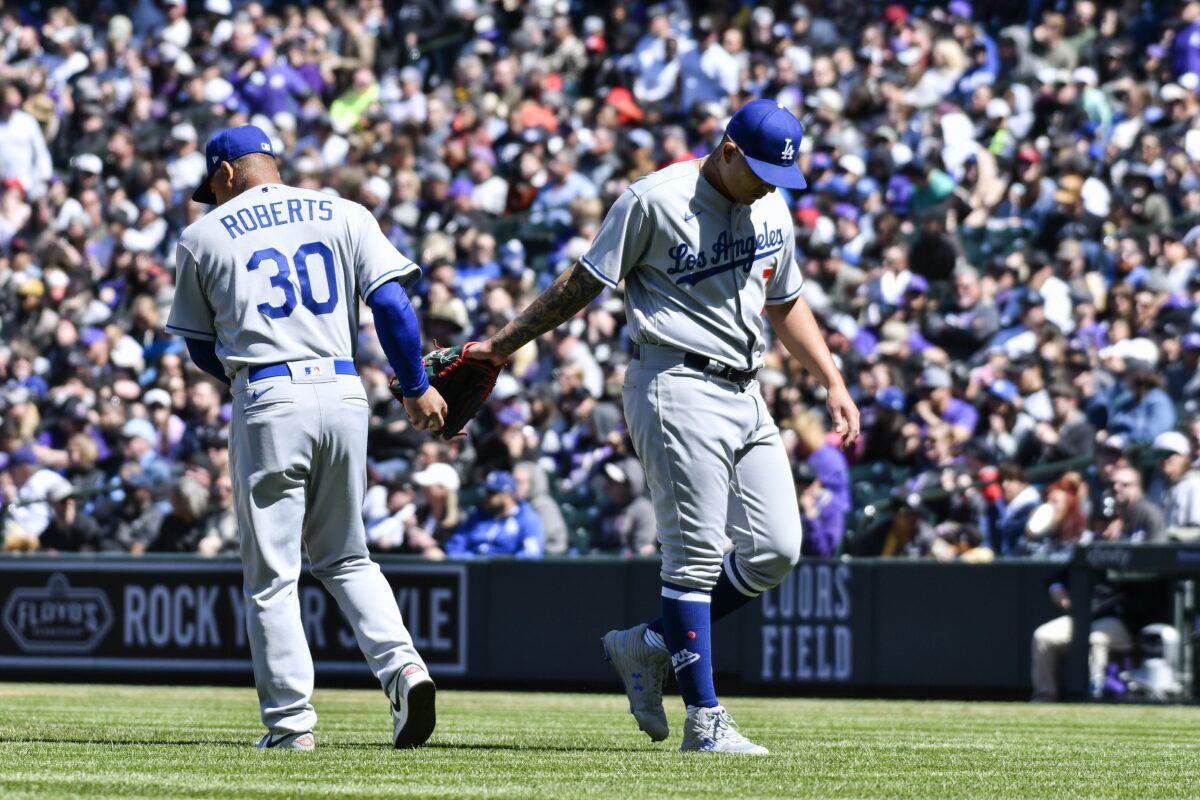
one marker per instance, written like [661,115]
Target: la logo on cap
[768,136]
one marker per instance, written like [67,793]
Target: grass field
[176,742]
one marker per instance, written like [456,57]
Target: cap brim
[204,192]
[787,177]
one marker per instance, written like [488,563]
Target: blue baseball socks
[726,599]
[686,631]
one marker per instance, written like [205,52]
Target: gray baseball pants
[297,454]
[716,468]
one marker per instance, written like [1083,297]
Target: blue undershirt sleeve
[400,335]
[204,356]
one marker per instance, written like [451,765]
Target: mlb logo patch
[312,370]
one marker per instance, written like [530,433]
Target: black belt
[708,366]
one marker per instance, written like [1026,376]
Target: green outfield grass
[175,742]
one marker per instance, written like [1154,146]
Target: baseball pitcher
[267,291]
[702,247]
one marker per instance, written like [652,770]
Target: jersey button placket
[739,214]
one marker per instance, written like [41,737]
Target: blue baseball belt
[341,366]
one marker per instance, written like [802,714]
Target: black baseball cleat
[414,712]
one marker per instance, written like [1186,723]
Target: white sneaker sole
[418,714]
[760,751]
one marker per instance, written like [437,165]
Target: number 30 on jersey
[282,279]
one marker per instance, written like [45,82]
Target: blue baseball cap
[500,482]
[228,145]
[892,398]
[769,138]
[917,285]
[24,455]
[1004,389]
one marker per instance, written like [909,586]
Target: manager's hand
[427,412]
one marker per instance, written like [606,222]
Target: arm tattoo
[570,292]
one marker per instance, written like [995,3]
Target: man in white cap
[24,155]
[141,447]
[23,481]
[1181,485]
[185,167]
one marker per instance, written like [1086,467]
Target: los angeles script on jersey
[724,254]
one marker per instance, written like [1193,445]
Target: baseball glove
[463,383]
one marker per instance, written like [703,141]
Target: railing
[580,506]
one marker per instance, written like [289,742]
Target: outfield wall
[859,626]
[862,626]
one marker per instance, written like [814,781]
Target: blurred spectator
[563,186]
[141,442]
[137,519]
[884,425]
[503,526]
[626,524]
[182,529]
[900,533]
[1060,522]
[1014,509]
[69,530]
[26,486]
[939,407]
[1181,490]
[473,275]
[533,486]
[25,160]
[824,522]
[1133,517]
[1068,434]
[825,457]
[388,510]
[1052,639]
[1141,410]
[963,332]
[220,529]
[960,542]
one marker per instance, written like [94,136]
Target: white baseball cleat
[414,714]
[288,741]
[712,730]
[643,670]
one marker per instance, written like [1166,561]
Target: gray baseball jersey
[698,267]
[275,275]
[698,270]
[272,276]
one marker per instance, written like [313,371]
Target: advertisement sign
[190,616]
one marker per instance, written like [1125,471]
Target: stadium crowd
[998,241]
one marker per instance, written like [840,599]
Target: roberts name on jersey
[273,215]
